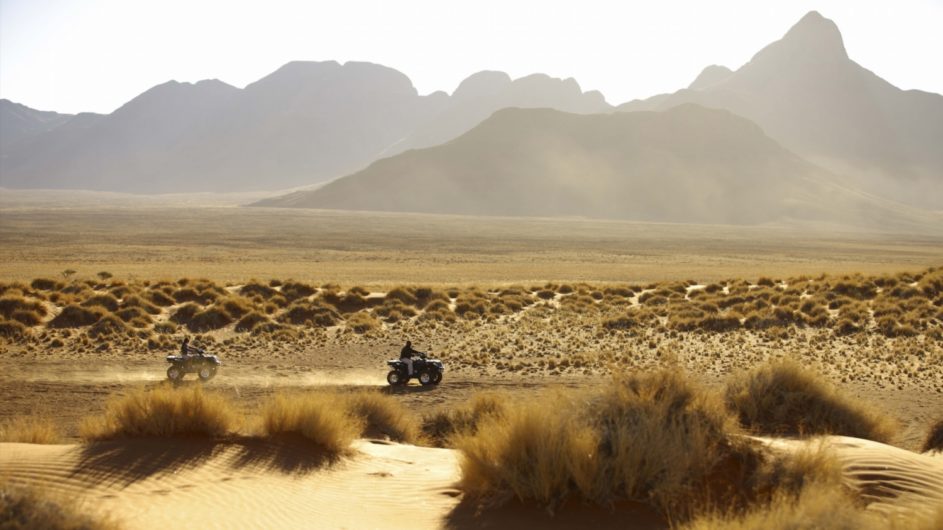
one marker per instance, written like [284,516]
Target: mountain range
[304,123]
[798,123]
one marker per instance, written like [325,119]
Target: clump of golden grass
[162,412]
[382,416]
[12,328]
[106,301]
[24,507]
[782,397]
[30,430]
[212,318]
[818,506]
[362,322]
[934,441]
[317,417]
[657,438]
[10,305]
[108,325]
[310,314]
[74,316]
[251,321]
[442,426]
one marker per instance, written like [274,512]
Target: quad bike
[203,365]
[427,371]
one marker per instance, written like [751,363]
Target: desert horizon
[661,267]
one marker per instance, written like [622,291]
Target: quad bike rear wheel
[174,373]
[395,378]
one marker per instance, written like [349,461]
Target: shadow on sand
[126,461]
[514,514]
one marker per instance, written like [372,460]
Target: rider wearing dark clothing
[186,349]
[406,355]
[407,351]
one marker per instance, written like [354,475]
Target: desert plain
[310,304]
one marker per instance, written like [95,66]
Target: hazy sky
[94,55]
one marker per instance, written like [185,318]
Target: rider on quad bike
[192,360]
[427,371]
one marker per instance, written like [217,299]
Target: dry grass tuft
[818,506]
[382,416]
[29,430]
[934,441]
[24,507]
[74,316]
[162,412]
[782,397]
[362,322]
[657,438]
[317,417]
[441,427]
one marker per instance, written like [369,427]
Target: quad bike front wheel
[174,373]
[426,378]
[206,373]
[436,378]
[395,378]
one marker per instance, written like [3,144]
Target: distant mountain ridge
[686,164]
[304,123]
[805,92]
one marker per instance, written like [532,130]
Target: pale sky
[94,55]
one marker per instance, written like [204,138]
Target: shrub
[106,301]
[348,303]
[188,294]
[257,289]
[12,329]
[30,430]
[27,318]
[657,438]
[311,314]
[134,301]
[316,417]
[12,304]
[362,322]
[161,412]
[74,316]
[133,313]
[236,308]
[158,298]
[934,441]
[382,416]
[442,426]
[210,319]
[108,325]
[24,507]
[45,284]
[782,397]
[818,506]
[185,313]
[294,290]
[251,321]
[403,296]
[165,328]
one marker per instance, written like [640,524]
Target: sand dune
[888,479]
[249,483]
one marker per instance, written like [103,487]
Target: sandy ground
[153,484]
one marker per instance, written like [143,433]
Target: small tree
[104,276]
[68,273]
